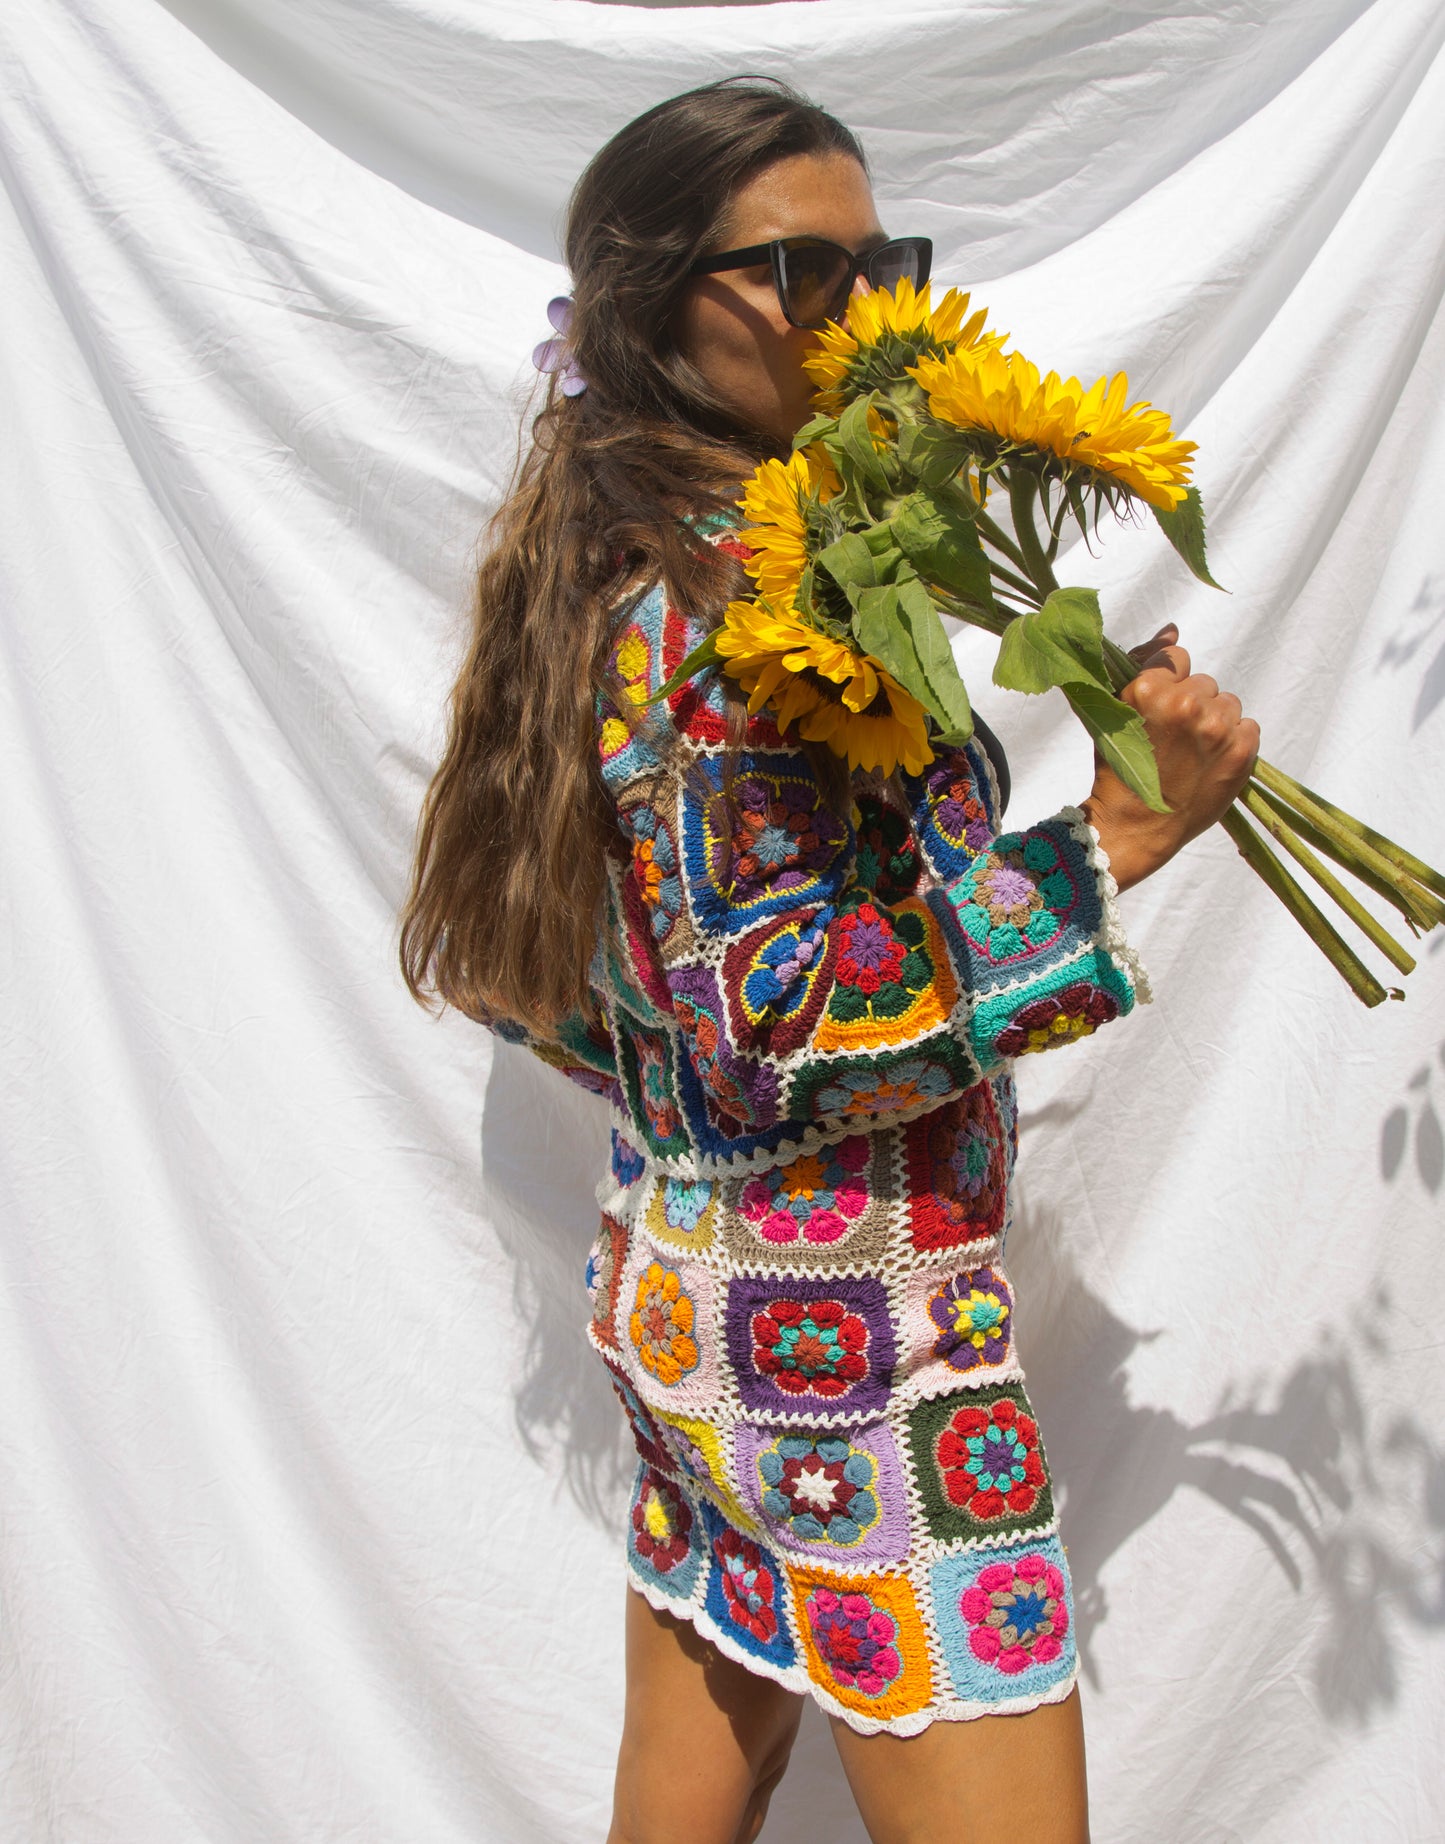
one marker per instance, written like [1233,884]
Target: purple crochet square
[820,1349]
[835,1495]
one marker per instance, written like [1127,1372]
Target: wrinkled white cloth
[310,1494]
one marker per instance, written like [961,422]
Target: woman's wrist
[1134,846]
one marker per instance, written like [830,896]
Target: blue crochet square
[747,1593]
[1005,1619]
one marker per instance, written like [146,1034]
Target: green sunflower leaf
[702,655]
[931,453]
[814,431]
[1183,526]
[1061,643]
[854,562]
[857,440]
[949,700]
[1121,739]
[941,541]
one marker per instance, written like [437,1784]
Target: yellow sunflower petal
[1003,395]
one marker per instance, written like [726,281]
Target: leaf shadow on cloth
[1346,1493]
[1423,623]
[1413,1125]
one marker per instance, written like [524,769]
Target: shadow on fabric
[1346,1496]
[544,1148]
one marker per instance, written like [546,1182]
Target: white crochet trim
[1111,927]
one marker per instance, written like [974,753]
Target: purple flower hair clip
[555,354]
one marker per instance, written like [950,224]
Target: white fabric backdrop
[311,1493]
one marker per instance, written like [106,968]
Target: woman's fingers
[1143,654]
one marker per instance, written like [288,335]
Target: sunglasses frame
[775,253]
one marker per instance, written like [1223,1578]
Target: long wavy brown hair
[505,904]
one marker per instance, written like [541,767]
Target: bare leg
[1004,1779]
[704,1741]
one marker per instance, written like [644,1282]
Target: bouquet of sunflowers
[938,478]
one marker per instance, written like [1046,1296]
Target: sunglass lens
[909,257]
[817,280]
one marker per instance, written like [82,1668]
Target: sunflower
[887,331]
[835,694]
[775,502]
[1002,395]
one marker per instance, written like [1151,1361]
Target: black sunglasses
[814,278]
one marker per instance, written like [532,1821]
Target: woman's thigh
[1007,1779]
[704,1741]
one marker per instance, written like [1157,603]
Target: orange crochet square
[864,1639]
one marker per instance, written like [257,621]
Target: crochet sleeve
[824,966]
[582,1050]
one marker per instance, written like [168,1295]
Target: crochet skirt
[840,1479]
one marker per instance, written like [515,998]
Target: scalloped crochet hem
[797,1680]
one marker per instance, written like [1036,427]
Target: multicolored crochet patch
[1061,1006]
[664,1541]
[1004,1620]
[650,1084]
[774,845]
[668,1330]
[777,978]
[891,978]
[864,1640]
[956,1172]
[810,1346]
[863,1091]
[682,1212]
[604,1276]
[835,1493]
[747,1593]
[888,865]
[980,1464]
[951,814]
[695,1449]
[959,1321]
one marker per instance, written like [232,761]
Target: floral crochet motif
[856,1639]
[654,864]
[661,1522]
[821,1487]
[863,1094]
[972,1312]
[810,1347]
[1075,1011]
[1016,1613]
[750,1589]
[888,863]
[990,1460]
[958,812]
[814,1197]
[662,1325]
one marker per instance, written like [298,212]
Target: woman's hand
[1205,748]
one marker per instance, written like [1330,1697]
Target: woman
[798,1288]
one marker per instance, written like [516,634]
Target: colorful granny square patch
[834,1495]
[860,1090]
[647,1065]
[810,1346]
[1026,899]
[864,1640]
[891,978]
[1004,1620]
[1068,1003]
[980,1464]
[746,1592]
[722,1092]
[951,815]
[604,1275]
[956,1172]
[696,1450]
[665,1325]
[816,1210]
[775,844]
[777,976]
[682,1212]
[957,1322]
[664,1541]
